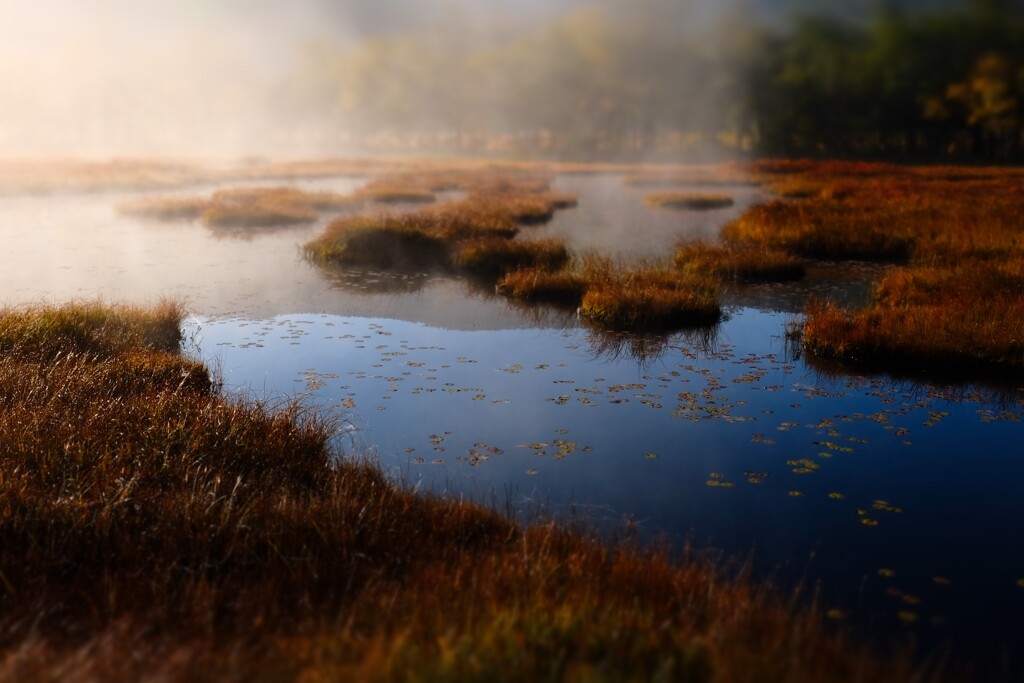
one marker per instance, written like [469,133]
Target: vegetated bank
[955,296]
[153,529]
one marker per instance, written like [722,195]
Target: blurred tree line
[641,77]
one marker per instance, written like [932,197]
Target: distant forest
[638,81]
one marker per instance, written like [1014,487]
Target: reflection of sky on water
[733,446]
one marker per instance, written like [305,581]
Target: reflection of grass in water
[694,201]
[147,515]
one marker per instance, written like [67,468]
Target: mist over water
[263,77]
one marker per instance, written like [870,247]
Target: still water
[898,502]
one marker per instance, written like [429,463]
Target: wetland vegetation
[145,513]
[591,340]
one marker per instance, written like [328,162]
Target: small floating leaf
[887,573]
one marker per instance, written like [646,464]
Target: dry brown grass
[693,201]
[561,287]
[153,529]
[493,257]
[165,208]
[960,317]
[956,305]
[741,263]
[647,297]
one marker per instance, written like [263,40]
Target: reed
[158,530]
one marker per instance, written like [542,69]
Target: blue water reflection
[902,500]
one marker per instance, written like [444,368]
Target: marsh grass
[965,316]
[826,229]
[740,263]
[954,304]
[155,529]
[243,207]
[492,257]
[647,297]
[397,195]
[473,234]
[400,242]
[564,287]
[165,208]
[693,201]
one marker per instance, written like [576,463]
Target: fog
[327,77]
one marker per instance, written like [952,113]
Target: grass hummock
[647,297]
[954,302]
[740,263]
[965,317]
[244,207]
[152,528]
[693,201]
[492,257]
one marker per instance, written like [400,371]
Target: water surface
[899,501]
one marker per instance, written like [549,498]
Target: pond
[898,502]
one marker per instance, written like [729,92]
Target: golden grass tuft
[492,257]
[962,317]
[564,287]
[742,263]
[244,207]
[693,201]
[399,242]
[397,195]
[647,297]
[165,208]
[825,229]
